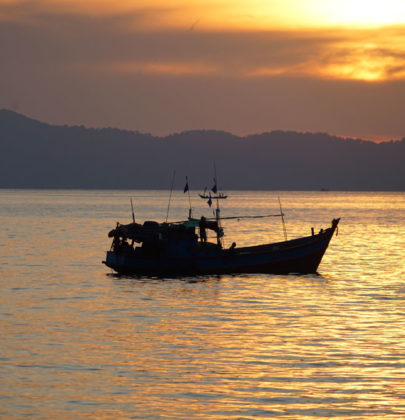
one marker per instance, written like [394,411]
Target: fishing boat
[220,196]
[217,195]
[181,248]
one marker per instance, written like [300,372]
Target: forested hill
[39,155]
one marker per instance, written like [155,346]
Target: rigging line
[170,196]
[282,219]
[251,217]
[232,218]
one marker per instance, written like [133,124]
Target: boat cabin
[177,239]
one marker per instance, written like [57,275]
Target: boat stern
[114,261]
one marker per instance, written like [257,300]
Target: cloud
[254,54]
[127,42]
[115,70]
[151,68]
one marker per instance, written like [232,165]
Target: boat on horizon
[220,196]
[217,194]
[175,249]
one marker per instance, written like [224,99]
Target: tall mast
[170,196]
[217,210]
[190,210]
[132,207]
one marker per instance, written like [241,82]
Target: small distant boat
[217,195]
[173,249]
[220,196]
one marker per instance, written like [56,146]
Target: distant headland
[38,155]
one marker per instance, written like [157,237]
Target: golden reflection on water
[79,343]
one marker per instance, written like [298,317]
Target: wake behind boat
[172,249]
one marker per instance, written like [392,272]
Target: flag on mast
[186,186]
[214,188]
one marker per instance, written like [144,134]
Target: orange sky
[235,14]
[242,66]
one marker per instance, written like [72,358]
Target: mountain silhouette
[39,155]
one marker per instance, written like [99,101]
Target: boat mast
[132,207]
[217,210]
[190,210]
[170,196]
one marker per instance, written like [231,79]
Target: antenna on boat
[282,219]
[132,207]
[170,196]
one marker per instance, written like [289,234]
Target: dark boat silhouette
[172,249]
[219,196]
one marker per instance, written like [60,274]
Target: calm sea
[80,342]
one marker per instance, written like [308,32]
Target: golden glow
[346,60]
[100,346]
[365,12]
[237,14]
[161,68]
[360,70]
[340,43]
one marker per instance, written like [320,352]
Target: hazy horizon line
[180,190]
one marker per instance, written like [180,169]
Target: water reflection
[80,342]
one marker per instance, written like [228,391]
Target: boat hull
[301,256]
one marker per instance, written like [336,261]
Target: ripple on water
[79,342]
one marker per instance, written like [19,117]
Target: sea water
[78,341]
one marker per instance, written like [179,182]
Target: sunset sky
[164,66]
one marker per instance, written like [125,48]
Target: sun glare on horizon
[365,12]
[227,15]
[321,13]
